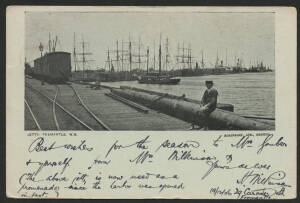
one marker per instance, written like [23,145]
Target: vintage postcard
[151,102]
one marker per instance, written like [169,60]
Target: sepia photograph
[149,71]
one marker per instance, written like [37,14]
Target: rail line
[88,110]
[60,106]
[32,115]
[53,109]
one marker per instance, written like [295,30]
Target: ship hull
[160,81]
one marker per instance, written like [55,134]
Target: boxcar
[53,67]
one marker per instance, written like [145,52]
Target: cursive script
[39,145]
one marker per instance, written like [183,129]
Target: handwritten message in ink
[70,165]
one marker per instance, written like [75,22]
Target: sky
[249,36]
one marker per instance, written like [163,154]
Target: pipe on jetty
[190,112]
[227,107]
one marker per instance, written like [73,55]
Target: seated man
[208,102]
[209,98]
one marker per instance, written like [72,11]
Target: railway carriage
[54,67]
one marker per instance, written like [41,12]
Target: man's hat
[209,82]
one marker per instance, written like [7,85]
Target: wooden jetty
[116,114]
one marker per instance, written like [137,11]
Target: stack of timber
[188,110]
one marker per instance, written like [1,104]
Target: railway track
[72,105]
[32,115]
[97,119]
[79,107]
[54,110]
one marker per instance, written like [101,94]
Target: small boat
[158,79]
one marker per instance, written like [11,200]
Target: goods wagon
[54,67]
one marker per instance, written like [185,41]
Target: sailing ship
[81,72]
[259,67]
[158,78]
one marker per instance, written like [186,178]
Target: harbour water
[252,94]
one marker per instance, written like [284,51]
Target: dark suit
[209,99]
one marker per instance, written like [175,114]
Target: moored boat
[158,79]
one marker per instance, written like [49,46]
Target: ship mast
[235,63]
[54,44]
[49,42]
[139,57]
[185,59]
[182,52]
[41,47]
[112,66]
[217,61]
[108,61]
[183,56]
[83,57]
[122,57]
[147,60]
[130,57]
[117,60]
[167,53]
[154,57]
[74,52]
[226,58]
[202,61]
[84,54]
[124,54]
[159,55]
[177,57]
[190,56]
[117,56]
